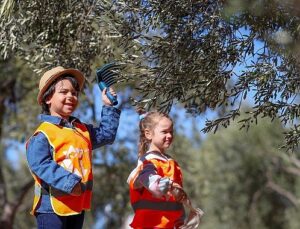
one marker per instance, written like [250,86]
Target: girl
[156,192]
[60,151]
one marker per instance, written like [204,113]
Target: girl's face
[161,136]
[64,99]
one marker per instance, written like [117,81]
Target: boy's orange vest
[152,212]
[71,150]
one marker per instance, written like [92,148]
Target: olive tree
[216,54]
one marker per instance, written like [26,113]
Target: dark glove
[76,191]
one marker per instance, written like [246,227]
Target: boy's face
[64,99]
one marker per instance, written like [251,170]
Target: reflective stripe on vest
[162,206]
[56,192]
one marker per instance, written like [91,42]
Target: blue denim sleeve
[41,164]
[106,132]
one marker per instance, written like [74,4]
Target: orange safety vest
[150,211]
[72,150]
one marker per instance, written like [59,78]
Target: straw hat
[53,74]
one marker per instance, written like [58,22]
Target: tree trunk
[7,216]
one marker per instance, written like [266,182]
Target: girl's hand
[178,192]
[105,99]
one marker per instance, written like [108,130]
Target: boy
[60,151]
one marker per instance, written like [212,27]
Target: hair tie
[142,116]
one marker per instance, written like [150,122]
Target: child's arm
[42,165]
[159,186]
[106,132]
[148,178]
[177,191]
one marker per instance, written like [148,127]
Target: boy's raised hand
[105,99]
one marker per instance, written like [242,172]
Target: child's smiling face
[161,136]
[64,100]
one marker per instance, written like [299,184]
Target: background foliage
[206,57]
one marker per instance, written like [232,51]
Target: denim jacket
[39,153]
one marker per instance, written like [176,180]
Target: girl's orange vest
[152,212]
[71,150]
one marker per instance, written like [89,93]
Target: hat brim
[70,71]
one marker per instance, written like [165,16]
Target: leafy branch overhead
[202,54]
[49,33]
[215,54]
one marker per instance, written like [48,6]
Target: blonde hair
[148,120]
